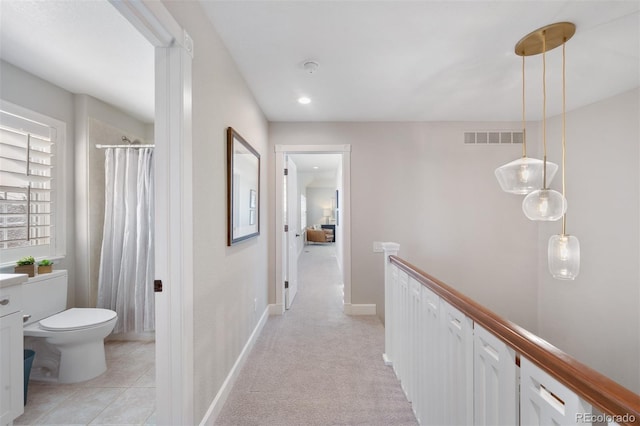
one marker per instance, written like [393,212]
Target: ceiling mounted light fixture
[523,175]
[310,66]
[304,100]
[545,204]
[564,249]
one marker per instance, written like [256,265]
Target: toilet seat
[77,319]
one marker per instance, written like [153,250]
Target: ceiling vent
[493,137]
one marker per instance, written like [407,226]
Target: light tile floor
[124,395]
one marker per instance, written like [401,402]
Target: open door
[292,231]
[284,256]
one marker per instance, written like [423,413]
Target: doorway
[342,217]
[173,208]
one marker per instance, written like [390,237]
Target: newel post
[389,249]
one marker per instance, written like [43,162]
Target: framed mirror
[243,189]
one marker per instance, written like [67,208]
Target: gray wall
[31,92]
[419,185]
[597,317]
[226,279]
[84,174]
[318,199]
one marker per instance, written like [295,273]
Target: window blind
[26,181]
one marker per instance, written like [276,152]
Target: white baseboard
[276,309]
[218,402]
[360,309]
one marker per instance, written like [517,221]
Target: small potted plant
[45,266]
[26,265]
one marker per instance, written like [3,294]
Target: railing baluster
[458,366]
[432,378]
[495,382]
[402,346]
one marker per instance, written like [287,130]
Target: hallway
[315,365]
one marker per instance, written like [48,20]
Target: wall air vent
[493,137]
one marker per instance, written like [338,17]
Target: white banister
[455,371]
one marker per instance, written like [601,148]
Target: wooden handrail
[600,391]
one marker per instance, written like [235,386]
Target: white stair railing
[458,362]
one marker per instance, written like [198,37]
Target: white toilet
[69,344]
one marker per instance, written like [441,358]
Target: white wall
[31,92]
[319,199]
[596,318]
[226,279]
[418,184]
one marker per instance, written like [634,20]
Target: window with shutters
[31,193]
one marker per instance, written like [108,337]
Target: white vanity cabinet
[11,353]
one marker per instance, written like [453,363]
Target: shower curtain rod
[124,146]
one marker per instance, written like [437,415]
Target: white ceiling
[316,162]
[82,46]
[379,60]
[423,60]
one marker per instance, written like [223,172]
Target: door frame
[280,152]
[173,206]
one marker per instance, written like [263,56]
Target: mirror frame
[236,142]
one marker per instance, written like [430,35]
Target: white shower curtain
[125,283]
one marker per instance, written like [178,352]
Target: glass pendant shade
[544,204]
[564,257]
[524,175]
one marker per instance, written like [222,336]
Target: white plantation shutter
[27,205]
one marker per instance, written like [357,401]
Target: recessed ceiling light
[316,167]
[304,100]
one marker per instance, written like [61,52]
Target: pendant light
[545,204]
[564,249]
[523,175]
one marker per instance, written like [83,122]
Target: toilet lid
[77,318]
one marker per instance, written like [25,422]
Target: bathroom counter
[7,280]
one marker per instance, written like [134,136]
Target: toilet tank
[44,295]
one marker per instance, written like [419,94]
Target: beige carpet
[315,365]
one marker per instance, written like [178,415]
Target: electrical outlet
[377,247]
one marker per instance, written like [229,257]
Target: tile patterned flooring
[124,395]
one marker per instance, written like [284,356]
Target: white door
[292,236]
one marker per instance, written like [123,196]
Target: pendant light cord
[524,127]
[544,110]
[564,147]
